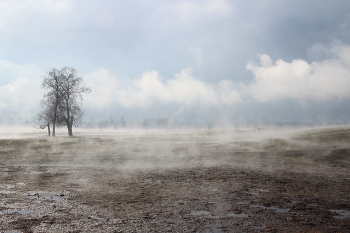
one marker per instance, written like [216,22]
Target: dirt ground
[176,181]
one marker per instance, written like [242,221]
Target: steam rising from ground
[112,180]
[132,150]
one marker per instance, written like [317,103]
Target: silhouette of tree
[62,102]
[72,95]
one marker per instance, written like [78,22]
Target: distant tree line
[62,101]
[107,123]
[160,123]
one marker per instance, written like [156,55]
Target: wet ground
[177,181]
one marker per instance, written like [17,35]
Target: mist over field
[148,179]
[138,149]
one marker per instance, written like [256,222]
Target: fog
[222,175]
[158,149]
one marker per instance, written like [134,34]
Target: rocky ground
[177,181]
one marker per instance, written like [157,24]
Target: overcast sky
[199,60]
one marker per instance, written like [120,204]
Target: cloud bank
[272,80]
[183,89]
[300,80]
[20,94]
[306,83]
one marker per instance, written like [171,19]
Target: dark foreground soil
[199,184]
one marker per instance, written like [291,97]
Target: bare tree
[72,95]
[62,100]
[52,83]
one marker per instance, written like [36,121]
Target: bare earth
[177,181]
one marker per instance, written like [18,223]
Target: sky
[194,60]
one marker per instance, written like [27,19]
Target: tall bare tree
[73,91]
[62,101]
[52,83]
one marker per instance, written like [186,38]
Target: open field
[175,181]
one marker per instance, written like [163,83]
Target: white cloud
[301,80]
[150,89]
[183,89]
[229,92]
[104,88]
[298,80]
[21,93]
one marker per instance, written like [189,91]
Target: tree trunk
[54,128]
[69,127]
[68,119]
[48,128]
[70,131]
[69,123]
[55,115]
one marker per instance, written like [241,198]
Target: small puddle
[196,213]
[279,210]
[7,192]
[31,213]
[342,214]
[8,205]
[7,186]
[257,191]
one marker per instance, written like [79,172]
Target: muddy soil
[177,181]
